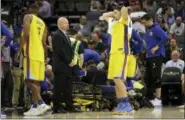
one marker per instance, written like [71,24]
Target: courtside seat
[171,86]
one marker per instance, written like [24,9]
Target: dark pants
[62,87]
[153,75]
[6,85]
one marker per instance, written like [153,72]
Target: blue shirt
[18,29]
[105,38]
[136,42]
[7,33]
[155,36]
[91,55]
[44,86]
[13,50]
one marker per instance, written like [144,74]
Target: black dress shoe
[74,110]
[55,111]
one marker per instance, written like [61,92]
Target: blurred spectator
[180,10]
[50,49]
[98,42]
[94,75]
[17,74]
[91,55]
[91,45]
[84,41]
[94,14]
[168,16]
[45,9]
[150,7]
[78,52]
[162,23]
[177,32]
[47,86]
[175,61]
[164,6]
[171,47]
[7,80]
[82,24]
[8,35]
[139,27]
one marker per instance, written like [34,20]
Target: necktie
[68,39]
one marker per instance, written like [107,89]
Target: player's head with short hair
[147,20]
[34,9]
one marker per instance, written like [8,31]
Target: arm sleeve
[81,49]
[96,58]
[7,33]
[163,37]
[138,47]
[12,51]
[58,47]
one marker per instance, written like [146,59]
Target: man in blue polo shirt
[155,52]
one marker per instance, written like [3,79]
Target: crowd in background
[95,42]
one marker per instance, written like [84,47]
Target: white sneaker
[156,102]
[43,108]
[2,115]
[181,107]
[31,112]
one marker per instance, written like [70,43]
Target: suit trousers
[62,90]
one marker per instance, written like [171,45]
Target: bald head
[178,21]
[175,55]
[63,23]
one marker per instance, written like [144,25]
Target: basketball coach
[62,68]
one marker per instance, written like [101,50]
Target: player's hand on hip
[154,49]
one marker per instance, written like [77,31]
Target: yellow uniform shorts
[121,66]
[33,70]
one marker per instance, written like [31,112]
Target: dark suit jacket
[62,53]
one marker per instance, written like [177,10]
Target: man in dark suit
[62,67]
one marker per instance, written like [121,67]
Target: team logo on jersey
[151,33]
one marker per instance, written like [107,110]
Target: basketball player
[33,45]
[120,28]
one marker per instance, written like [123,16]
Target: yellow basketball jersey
[34,47]
[120,42]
